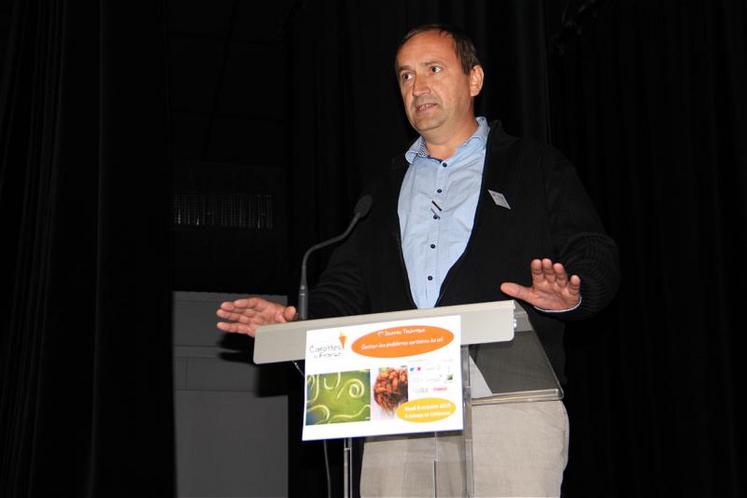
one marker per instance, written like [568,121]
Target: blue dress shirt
[437,204]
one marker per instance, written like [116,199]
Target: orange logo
[408,340]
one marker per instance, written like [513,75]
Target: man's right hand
[244,315]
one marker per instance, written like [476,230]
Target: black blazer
[550,216]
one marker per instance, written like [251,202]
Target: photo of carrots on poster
[390,388]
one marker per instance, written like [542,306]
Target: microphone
[362,207]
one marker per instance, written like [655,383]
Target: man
[455,221]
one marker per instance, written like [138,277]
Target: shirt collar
[419,149]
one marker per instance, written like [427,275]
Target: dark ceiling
[228,79]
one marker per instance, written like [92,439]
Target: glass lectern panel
[507,372]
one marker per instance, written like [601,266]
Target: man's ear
[476,77]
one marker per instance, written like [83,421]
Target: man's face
[436,92]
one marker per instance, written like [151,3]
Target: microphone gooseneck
[362,207]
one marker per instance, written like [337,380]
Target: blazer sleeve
[578,236]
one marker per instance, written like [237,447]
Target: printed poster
[394,377]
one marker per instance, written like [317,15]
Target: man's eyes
[408,76]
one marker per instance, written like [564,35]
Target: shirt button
[439,191]
[444,164]
[430,277]
[433,246]
[435,216]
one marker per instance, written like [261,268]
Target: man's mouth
[424,107]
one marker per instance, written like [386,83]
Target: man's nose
[420,86]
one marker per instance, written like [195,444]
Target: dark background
[204,145]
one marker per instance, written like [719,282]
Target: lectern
[496,335]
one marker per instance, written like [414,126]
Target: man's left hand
[551,288]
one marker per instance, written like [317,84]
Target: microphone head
[363,206]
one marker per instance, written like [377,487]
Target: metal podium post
[347,467]
[469,476]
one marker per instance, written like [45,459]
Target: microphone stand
[361,210]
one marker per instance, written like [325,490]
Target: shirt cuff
[580,300]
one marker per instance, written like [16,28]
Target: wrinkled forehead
[427,45]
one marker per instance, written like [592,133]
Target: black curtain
[646,98]
[649,103]
[85,365]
